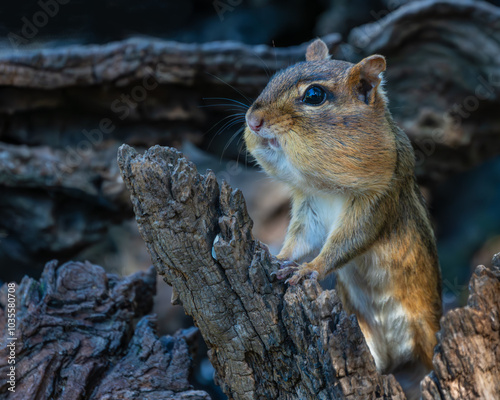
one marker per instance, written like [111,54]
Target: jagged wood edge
[467,357]
[266,340]
[76,338]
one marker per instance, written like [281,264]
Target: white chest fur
[366,281]
[321,216]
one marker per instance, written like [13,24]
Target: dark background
[87,214]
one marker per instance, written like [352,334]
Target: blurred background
[79,78]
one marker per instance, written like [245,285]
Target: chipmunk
[323,127]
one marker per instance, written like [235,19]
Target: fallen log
[75,338]
[132,60]
[75,335]
[267,340]
[72,105]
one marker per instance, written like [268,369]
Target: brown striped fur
[351,173]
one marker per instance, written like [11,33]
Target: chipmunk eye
[314,96]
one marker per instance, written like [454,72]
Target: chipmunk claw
[297,272]
[286,268]
[302,273]
[283,273]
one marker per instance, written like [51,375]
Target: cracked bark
[76,336]
[125,62]
[467,358]
[265,340]
[76,339]
[443,92]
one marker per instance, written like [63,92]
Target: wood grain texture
[266,340]
[76,339]
[467,358]
[442,77]
[125,62]
[442,82]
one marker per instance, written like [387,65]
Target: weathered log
[75,339]
[69,108]
[443,91]
[91,174]
[129,61]
[67,203]
[266,340]
[467,358]
[75,330]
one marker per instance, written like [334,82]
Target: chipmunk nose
[255,122]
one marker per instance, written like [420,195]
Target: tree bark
[266,340]
[75,339]
[131,60]
[442,80]
[75,330]
[467,358]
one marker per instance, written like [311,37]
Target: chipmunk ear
[364,77]
[317,51]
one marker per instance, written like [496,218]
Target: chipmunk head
[322,124]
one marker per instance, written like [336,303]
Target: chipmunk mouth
[272,143]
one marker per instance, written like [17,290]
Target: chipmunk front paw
[304,271]
[297,272]
[287,268]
